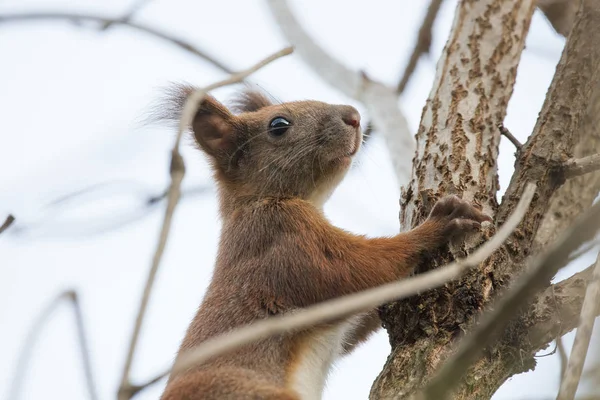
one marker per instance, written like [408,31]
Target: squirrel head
[297,149]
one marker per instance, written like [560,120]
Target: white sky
[72,99]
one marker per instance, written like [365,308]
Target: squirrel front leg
[340,263]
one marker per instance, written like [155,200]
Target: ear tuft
[168,107]
[250,100]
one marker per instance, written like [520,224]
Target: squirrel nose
[351,117]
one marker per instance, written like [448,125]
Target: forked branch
[107,21]
[34,332]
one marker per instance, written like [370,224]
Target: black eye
[279,126]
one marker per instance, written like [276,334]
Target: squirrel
[275,165]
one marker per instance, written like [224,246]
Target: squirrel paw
[457,216]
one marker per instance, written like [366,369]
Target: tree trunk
[457,145]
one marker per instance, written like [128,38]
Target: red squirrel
[275,165]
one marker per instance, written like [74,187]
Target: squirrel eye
[279,126]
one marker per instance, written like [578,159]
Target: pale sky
[72,99]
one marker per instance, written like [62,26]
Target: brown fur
[278,253]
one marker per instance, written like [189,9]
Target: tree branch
[347,305]
[422,45]
[457,152]
[541,269]
[380,100]
[589,311]
[7,223]
[177,170]
[582,166]
[136,7]
[37,328]
[188,47]
[507,134]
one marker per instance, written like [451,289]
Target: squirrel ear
[214,127]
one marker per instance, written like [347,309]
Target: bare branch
[136,7]
[18,17]
[380,100]
[177,170]
[582,166]
[541,269]
[422,45]
[506,133]
[348,305]
[589,311]
[37,328]
[7,223]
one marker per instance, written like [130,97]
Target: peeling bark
[457,146]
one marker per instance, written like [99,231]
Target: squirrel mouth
[357,142]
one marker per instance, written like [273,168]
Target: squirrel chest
[313,357]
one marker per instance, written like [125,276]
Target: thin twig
[136,7]
[582,166]
[36,330]
[579,351]
[17,17]
[422,45]
[7,223]
[177,171]
[540,271]
[351,304]
[506,133]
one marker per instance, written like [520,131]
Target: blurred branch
[381,101]
[579,351]
[422,45]
[348,305]
[37,328]
[136,7]
[177,170]
[20,17]
[7,223]
[541,270]
[102,223]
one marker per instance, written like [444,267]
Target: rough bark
[457,148]
[576,195]
[556,310]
